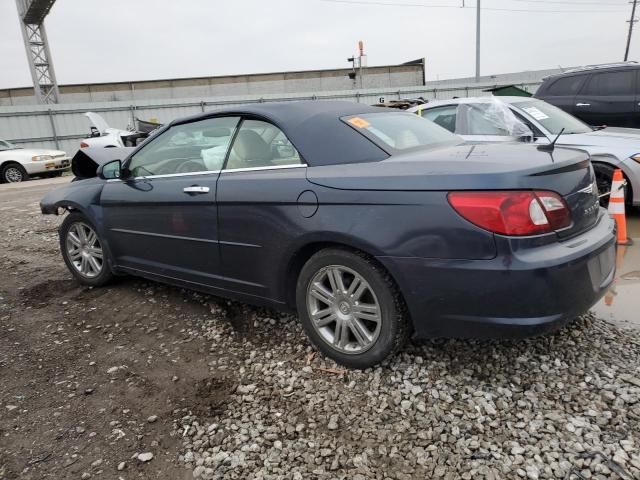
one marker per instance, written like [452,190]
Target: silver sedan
[499,119]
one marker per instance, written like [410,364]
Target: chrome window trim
[207,172]
[270,167]
[185,174]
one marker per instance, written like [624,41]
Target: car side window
[566,86]
[261,144]
[611,83]
[443,116]
[186,148]
[472,120]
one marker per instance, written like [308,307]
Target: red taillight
[83,145]
[513,212]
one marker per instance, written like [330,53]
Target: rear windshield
[400,131]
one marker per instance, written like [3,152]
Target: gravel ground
[139,380]
[558,406]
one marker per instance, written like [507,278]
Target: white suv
[18,164]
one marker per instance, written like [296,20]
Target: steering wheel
[190,166]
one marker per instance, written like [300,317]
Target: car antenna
[551,146]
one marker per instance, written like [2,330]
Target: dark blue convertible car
[372,224]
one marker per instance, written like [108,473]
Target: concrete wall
[390,76]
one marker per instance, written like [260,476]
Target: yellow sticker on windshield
[359,122]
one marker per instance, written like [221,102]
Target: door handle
[196,189]
[583,104]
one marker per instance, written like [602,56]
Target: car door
[562,91]
[257,196]
[163,218]
[608,98]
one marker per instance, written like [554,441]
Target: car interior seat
[250,150]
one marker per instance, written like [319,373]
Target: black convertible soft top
[314,127]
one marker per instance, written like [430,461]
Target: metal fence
[63,126]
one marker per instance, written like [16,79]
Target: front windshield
[4,145]
[552,118]
[400,130]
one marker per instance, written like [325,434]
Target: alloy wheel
[344,309]
[84,250]
[13,175]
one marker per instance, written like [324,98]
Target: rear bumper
[521,292]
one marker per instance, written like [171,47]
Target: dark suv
[598,95]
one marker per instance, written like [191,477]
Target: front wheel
[604,177]
[83,251]
[350,308]
[14,173]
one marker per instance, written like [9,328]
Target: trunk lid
[506,166]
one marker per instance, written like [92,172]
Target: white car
[502,119]
[104,136]
[18,164]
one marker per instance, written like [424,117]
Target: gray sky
[118,40]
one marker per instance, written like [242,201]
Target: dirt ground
[65,350]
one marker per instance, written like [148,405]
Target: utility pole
[632,20]
[478,41]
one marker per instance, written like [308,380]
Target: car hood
[466,166]
[86,161]
[44,151]
[610,138]
[97,122]
[31,152]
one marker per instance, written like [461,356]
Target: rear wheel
[350,308]
[13,173]
[83,252]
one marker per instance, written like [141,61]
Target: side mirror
[110,170]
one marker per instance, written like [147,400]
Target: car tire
[13,173]
[604,177]
[83,251]
[342,325]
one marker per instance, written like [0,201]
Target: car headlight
[40,158]
[636,157]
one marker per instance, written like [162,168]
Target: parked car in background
[103,136]
[370,223]
[18,164]
[598,94]
[489,119]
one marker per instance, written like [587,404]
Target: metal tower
[32,14]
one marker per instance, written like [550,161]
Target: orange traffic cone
[616,206]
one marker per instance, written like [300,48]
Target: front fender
[83,196]
[80,195]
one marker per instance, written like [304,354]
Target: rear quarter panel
[263,227]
